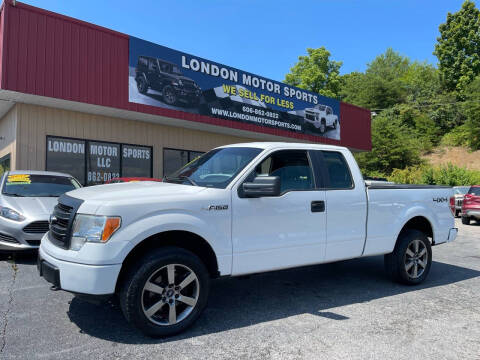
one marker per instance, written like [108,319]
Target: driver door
[289,230]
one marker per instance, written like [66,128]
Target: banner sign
[160,76]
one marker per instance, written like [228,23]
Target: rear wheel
[410,261]
[465,220]
[166,292]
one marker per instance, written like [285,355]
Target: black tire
[142,85]
[457,213]
[324,130]
[396,262]
[465,220]
[132,290]
[168,95]
[335,124]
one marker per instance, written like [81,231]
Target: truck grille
[8,238]
[62,220]
[309,116]
[36,227]
[188,85]
[459,202]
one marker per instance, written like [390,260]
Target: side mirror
[262,186]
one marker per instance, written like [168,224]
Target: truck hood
[133,190]
[31,206]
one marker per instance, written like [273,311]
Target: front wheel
[465,220]
[166,292]
[323,127]
[410,261]
[142,85]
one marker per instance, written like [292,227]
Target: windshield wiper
[181,178]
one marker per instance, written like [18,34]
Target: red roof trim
[64,17]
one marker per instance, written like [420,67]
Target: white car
[238,209]
[321,117]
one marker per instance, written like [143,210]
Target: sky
[266,37]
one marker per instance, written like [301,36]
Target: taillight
[452,205]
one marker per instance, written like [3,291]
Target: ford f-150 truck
[238,209]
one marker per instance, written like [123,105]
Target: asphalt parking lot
[345,310]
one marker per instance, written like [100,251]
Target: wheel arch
[179,238]
[420,223]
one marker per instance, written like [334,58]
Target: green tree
[384,82]
[316,72]
[458,47]
[471,109]
[394,145]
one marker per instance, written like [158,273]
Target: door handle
[318,206]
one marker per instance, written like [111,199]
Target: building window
[66,156]
[174,159]
[4,164]
[136,161]
[96,162]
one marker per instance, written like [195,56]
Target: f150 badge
[216,207]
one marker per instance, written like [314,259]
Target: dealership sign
[162,77]
[94,162]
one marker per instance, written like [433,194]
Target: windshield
[320,107]
[26,185]
[176,70]
[216,168]
[461,190]
[474,191]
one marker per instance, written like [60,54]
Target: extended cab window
[293,168]
[337,171]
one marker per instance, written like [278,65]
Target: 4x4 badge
[216,207]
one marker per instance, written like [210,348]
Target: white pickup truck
[321,117]
[238,209]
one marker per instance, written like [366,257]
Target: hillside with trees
[418,109]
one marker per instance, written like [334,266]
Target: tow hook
[54,288]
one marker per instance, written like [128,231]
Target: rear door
[346,206]
[279,232]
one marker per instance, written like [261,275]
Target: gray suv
[27,199]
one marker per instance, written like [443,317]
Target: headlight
[10,214]
[93,228]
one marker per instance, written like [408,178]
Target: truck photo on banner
[163,77]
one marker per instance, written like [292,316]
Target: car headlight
[93,228]
[11,214]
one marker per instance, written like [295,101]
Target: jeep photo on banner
[163,77]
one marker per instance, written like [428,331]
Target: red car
[131,179]
[471,205]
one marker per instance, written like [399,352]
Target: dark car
[471,205]
[166,78]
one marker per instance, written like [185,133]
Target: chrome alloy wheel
[170,294]
[416,259]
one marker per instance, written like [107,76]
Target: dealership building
[82,99]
